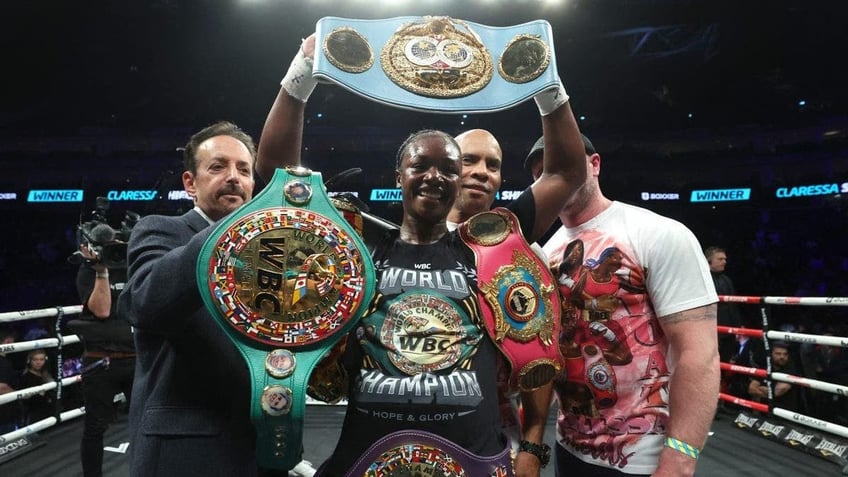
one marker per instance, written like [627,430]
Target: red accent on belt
[494,251]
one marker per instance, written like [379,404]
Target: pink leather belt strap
[520,300]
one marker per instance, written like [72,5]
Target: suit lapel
[195,221]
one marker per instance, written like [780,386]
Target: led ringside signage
[137,195]
[55,195]
[721,195]
[508,195]
[660,196]
[386,195]
[395,195]
[811,190]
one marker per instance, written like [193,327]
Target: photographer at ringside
[109,356]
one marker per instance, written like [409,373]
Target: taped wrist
[298,81]
[550,99]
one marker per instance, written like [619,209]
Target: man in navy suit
[190,407]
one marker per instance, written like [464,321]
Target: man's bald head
[481,174]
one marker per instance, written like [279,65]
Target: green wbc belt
[285,276]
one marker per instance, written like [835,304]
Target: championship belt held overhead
[435,63]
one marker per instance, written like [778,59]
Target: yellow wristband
[683,447]
[101,274]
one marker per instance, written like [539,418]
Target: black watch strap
[541,451]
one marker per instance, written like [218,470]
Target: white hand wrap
[298,80]
[550,99]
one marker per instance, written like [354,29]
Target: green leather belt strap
[286,276]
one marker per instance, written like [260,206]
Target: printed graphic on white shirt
[618,272]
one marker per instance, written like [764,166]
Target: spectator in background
[8,383]
[833,368]
[38,406]
[728,313]
[748,353]
[785,395]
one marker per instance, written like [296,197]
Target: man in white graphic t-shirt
[641,381]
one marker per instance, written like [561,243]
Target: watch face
[286,276]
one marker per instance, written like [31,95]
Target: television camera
[108,245]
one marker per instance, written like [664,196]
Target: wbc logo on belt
[285,284]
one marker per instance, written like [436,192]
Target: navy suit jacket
[190,410]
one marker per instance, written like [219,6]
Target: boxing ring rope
[773,377]
[58,342]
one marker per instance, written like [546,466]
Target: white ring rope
[810,339]
[8,317]
[41,425]
[811,421]
[835,341]
[811,383]
[11,316]
[22,394]
[27,393]
[786,300]
[37,344]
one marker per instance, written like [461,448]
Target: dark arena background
[729,116]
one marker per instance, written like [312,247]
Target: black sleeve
[524,207]
[85,285]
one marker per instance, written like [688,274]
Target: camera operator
[106,337]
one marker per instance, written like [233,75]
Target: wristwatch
[541,451]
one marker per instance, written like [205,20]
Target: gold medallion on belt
[437,57]
[348,50]
[524,59]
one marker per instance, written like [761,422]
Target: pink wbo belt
[520,302]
